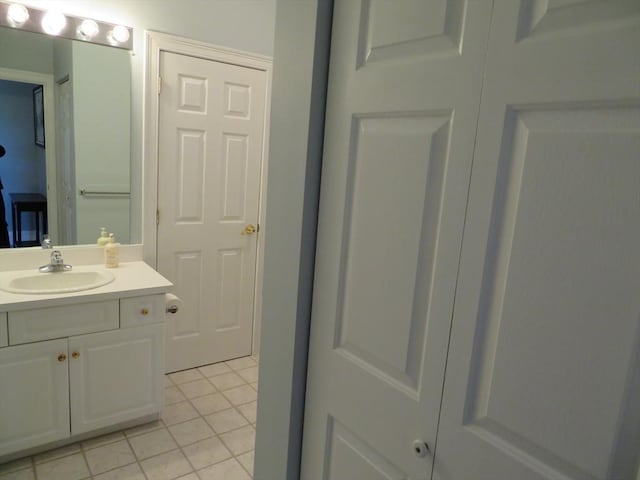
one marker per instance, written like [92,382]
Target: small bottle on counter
[103,239]
[111,252]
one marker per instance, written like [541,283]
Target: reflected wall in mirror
[83,169]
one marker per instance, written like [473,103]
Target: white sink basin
[58,282]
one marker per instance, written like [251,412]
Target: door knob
[249,230]
[75,354]
[420,448]
[62,357]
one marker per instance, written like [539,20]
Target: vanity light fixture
[53,22]
[17,15]
[23,17]
[88,29]
[118,35]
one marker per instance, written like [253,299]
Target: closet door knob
[144,311]
[420,448]
[62,357]
[75,354]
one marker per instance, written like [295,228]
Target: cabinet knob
[144,311]
[75,354]
[62,357]
[420,448]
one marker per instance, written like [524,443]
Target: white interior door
[211,128]
[543,377]
[403,98]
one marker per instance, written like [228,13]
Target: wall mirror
[69,142]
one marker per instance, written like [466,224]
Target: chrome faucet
[56,264]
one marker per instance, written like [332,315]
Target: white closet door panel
[542,380]
[404,91]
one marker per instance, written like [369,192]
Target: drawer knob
[144,311]
[62,357]
[75,354]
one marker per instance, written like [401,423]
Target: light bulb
[88,29]
[53,22]
[119,34]
[17,15]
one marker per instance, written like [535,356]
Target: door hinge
[159,85]
[157,217]
[257,227]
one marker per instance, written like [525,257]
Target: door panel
[396,165]
[384,273]
[350,457]
[210,144]
[542,379]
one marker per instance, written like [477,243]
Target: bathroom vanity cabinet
[4,335]
[88,365]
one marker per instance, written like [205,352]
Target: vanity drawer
[4,336]
[141,310]
[56,322]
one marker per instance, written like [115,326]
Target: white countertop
[131,279]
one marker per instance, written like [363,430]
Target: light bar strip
[75,28]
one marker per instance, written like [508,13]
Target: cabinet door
[115,376]
[4,334]
[34,395]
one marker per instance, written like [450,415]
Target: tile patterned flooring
[206,432]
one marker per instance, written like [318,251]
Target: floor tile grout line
[245,417]
[126,439]
[86,461]
[135,455]
[183,454]
[242,465]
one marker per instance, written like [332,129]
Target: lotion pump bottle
[111,253]
[103,239]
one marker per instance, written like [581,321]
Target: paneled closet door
[403,98]
[542,380]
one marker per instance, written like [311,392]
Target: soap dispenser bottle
[111,252]
[103,239]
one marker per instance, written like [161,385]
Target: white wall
[14,43]
[241,24]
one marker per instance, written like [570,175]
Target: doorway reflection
[22,167]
